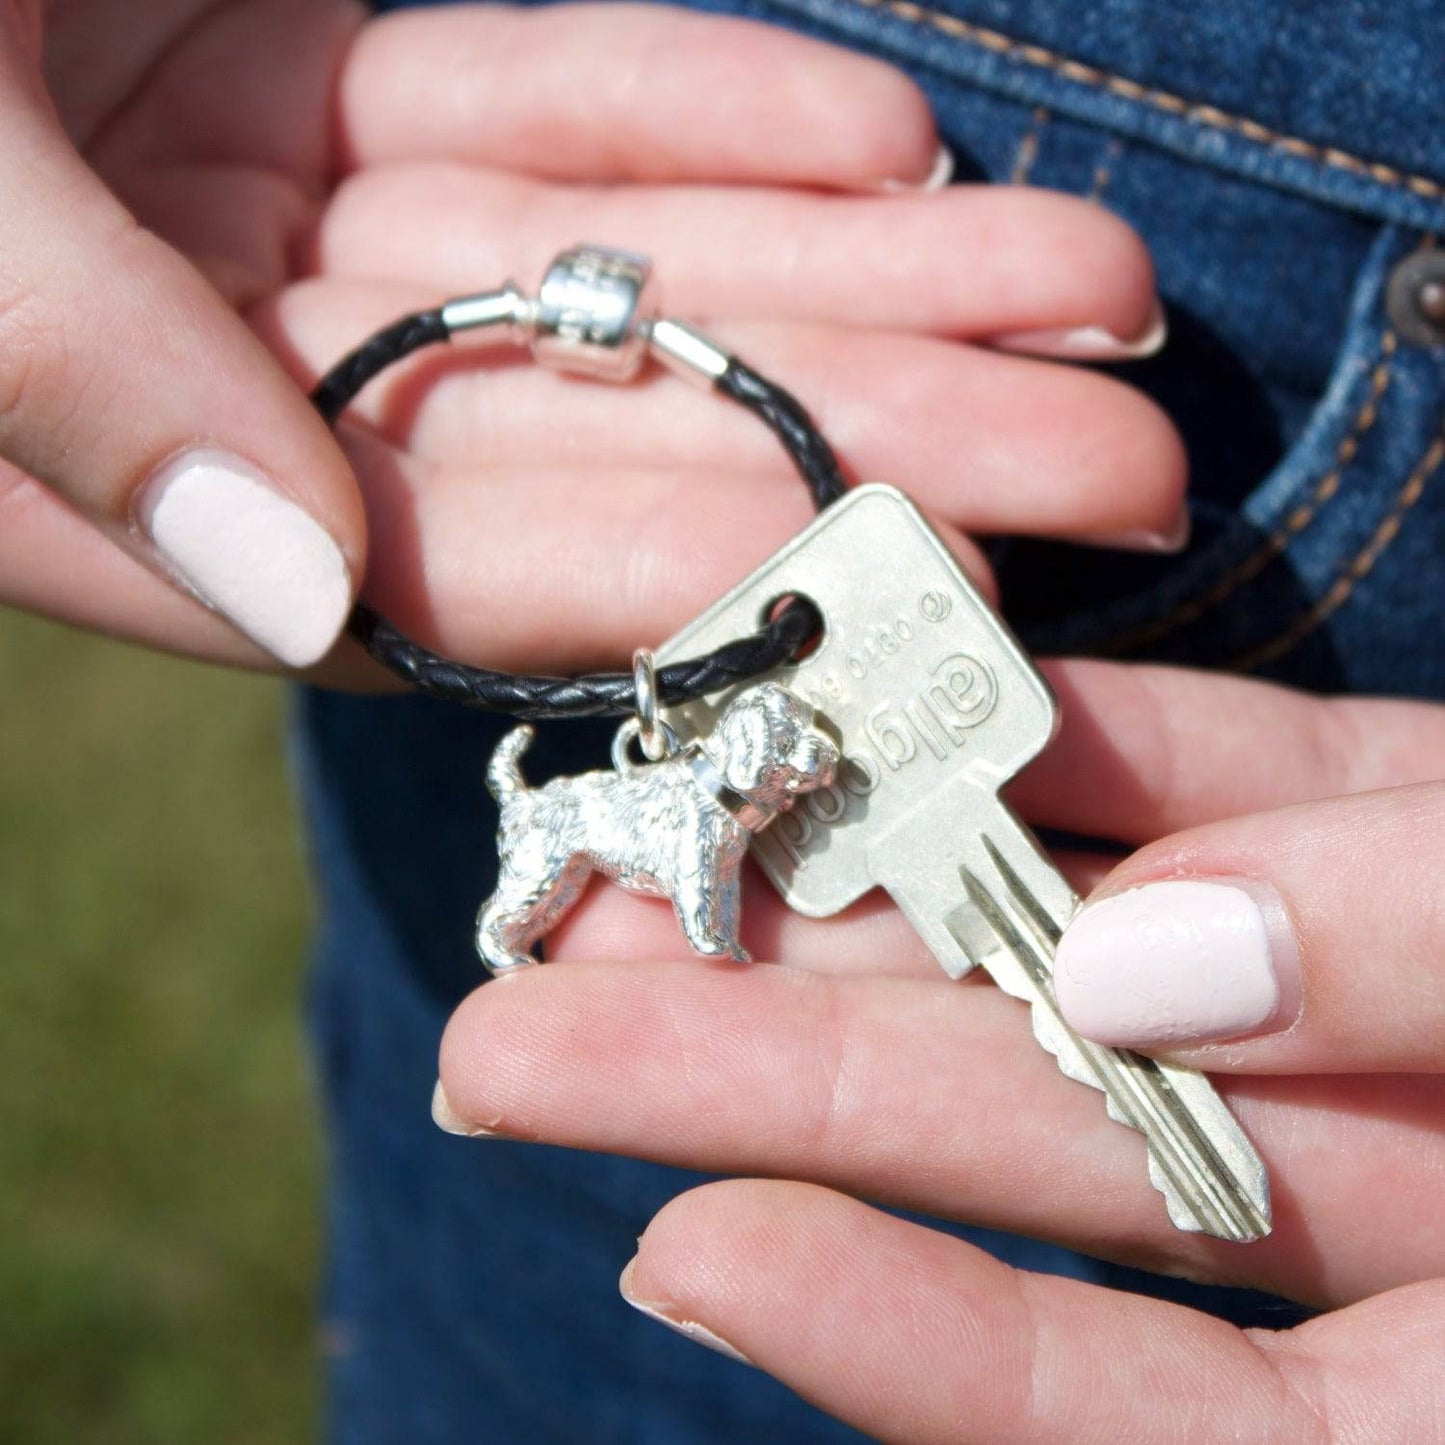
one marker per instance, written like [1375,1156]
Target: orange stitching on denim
[1356,572]
[1295,523]
[1208,115]
[1028,151]
[1104,171]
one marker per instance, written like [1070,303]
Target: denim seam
[1299,518]
[1355,572]
[1104,170]
[1028,151]
[1205,115]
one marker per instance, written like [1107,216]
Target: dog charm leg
[676,828]
[521,911]
[709,903]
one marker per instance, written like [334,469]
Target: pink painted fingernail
[937,178]
[1179,962]
[261,561]
[698,1334]
[1173,539]
[450,1122]
[1092,343]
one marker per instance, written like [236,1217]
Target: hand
[324,174]
[857,1067]
[856,302]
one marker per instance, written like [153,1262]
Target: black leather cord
[335,391]
[600,694]
[597,694]
[783,413]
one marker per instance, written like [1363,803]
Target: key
[937,705]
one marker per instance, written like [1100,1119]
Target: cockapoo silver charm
[676,829]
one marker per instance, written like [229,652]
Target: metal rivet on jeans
[1416,298]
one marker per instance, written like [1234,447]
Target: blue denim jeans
[1280,161]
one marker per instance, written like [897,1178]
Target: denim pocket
[1339,104]
[1326,573]
[1314,430]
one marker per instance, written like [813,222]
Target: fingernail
[1175,539]
[1179,962]
[450,1122]
[245,550]
[1092,343]
[698,1334]
[937,178]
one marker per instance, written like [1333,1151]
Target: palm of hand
[920,1093]
[328,174]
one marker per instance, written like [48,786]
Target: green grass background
[158,1174]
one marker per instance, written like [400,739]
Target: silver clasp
[593,311]
[593,314]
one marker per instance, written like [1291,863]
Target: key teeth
[1052,1037]
[1046,1031]
[1251,1220]
[1053,1040]
[1181,1213]
[1181,1216]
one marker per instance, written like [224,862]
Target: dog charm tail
[678,828]
[504,772]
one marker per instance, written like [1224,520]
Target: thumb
[1307,937]
[128,386]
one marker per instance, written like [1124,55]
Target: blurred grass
[158,1177]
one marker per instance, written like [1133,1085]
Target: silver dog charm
[676,829]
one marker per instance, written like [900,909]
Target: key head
[929,694]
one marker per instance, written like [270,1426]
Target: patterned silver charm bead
[595,314]
[676,829]
[592,312]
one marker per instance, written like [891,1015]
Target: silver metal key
[937,706]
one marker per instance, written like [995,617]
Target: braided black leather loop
[599,694]
[783,413]
[335,391]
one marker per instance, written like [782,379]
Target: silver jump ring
[630,731]
[650,735]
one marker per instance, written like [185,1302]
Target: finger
[622,561]
[934,1096]
[990,443]
[872,937]
[612,925]
[1144,751]
[129,387]
[237,225]
[629,93]
[913,1336]
[1309,936]
[54,562]
[185,86]
[1030,258]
